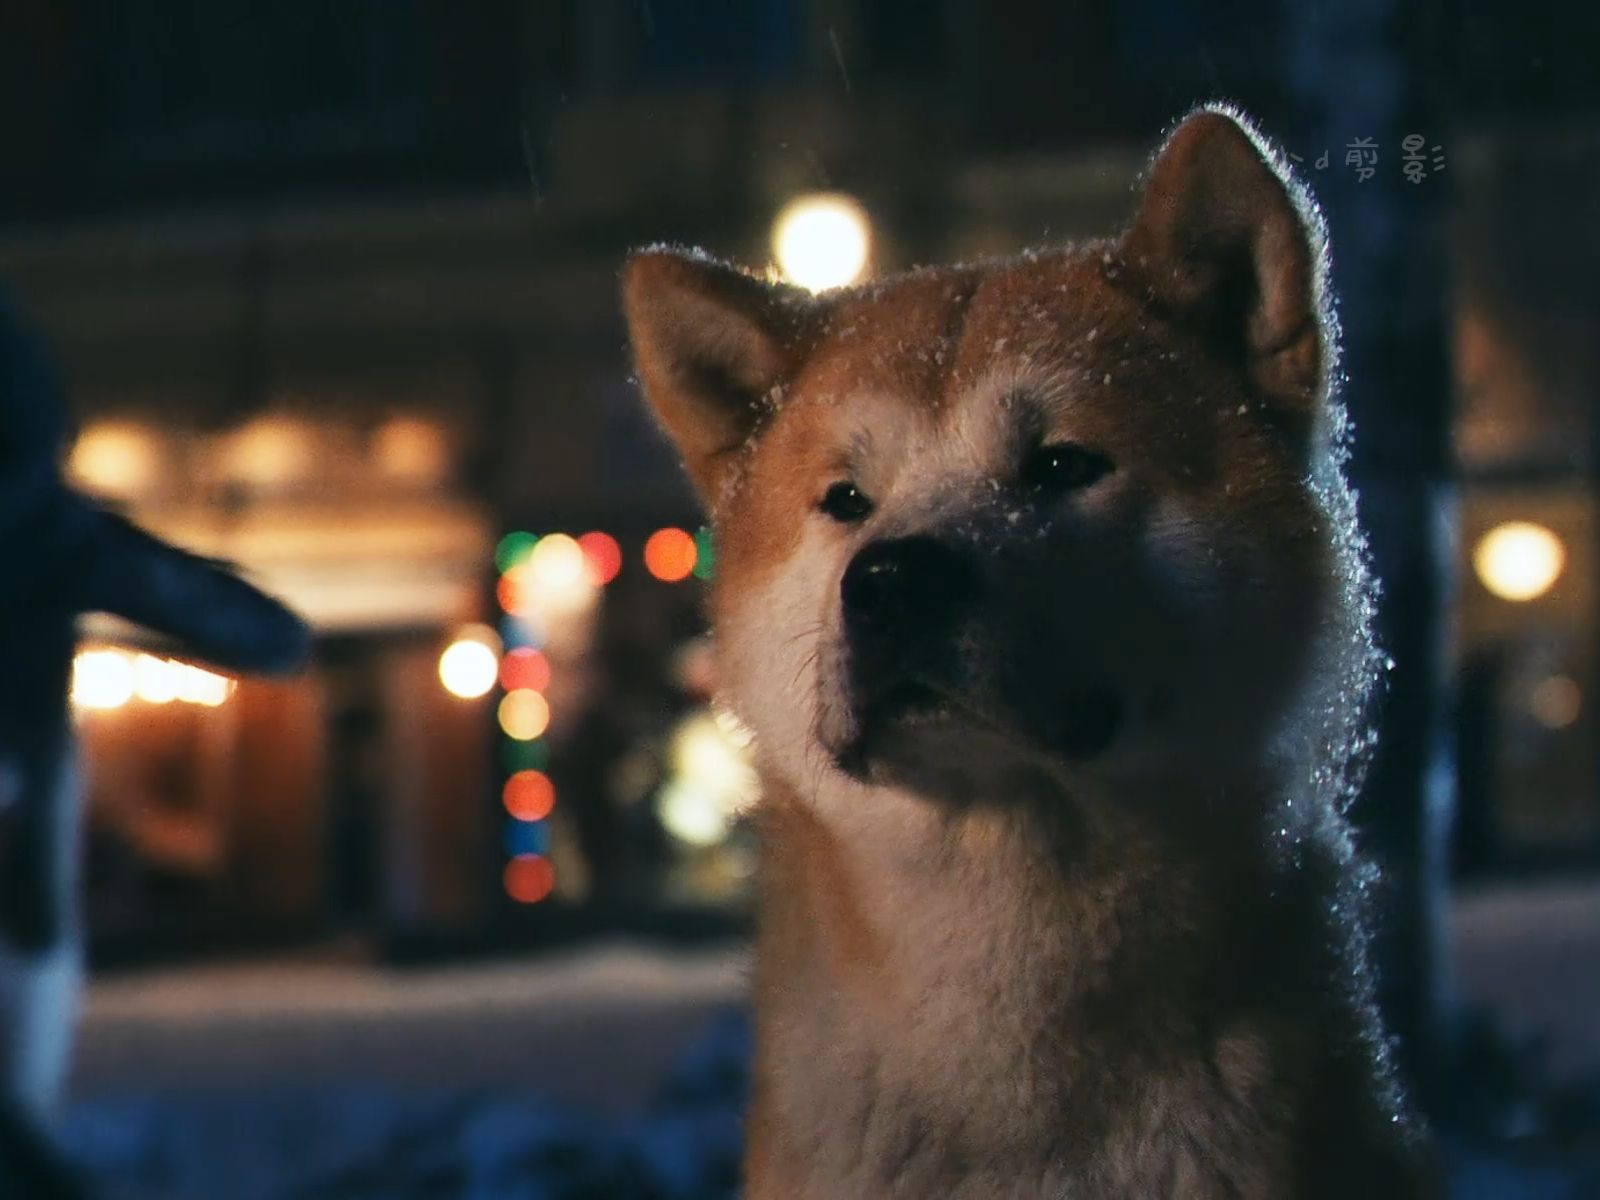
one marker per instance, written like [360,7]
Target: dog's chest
[899,1120]
[962,1047]
[959,1062]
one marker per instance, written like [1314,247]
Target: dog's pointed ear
[711,344]
[1225,242]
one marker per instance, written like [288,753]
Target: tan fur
[989,966]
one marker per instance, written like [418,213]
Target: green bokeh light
[514,549]
[526,756]
[705,559]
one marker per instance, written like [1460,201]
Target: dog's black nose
[907,586]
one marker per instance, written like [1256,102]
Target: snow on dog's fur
[1040,589]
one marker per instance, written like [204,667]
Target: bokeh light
[557,563]
[529,795]
[525,756]
[712,780]
[412,450]
[822,240]
[519,631]
[554,579]
[102,679]
[512,591]
[710,752]
[670,554]
[524,667]
[109,679]
[1519,560]
[527,837]
[1556,702]
[524,714]
[603,554]
[199,686]
[692,816]
[115,458]
[156,680]
[271,451]
[705,553]
[468,668]
[529,878]
[514,549]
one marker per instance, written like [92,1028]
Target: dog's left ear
[1222,243]
[711,343]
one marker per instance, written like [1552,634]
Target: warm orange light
[508,591]
[524,714]
[822,240]
[555,579]
[199,686]
[271,451]
[411,450]
[109,679]
[157,680]
[557,564]
[468,667]
[524,667]
[669,554]
[1519,560]
[529,795]
[529,878]
[102,679]
[603,555]
[116,458]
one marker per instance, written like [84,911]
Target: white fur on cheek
[774,643]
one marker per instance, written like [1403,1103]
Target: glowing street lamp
[822,241]
[1519,560]
[470,665]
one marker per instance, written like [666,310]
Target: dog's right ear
[711,343]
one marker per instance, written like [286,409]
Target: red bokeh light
[604,556]
[529,878]
[524,667]
[529,795]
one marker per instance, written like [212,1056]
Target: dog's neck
[892,884]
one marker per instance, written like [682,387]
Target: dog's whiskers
[806,664]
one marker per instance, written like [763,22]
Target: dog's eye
[1063,467]
[846,503]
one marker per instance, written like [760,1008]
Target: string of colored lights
[538,575]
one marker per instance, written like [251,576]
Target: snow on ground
[1531,955]
[598,1028]
[544,1077]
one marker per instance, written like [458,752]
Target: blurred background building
[336,288]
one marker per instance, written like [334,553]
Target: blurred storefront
[350,797]
[1527,442]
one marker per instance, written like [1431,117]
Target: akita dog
[1040,588]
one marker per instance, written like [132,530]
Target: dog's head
[1065,513]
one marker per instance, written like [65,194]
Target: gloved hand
[62,555]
